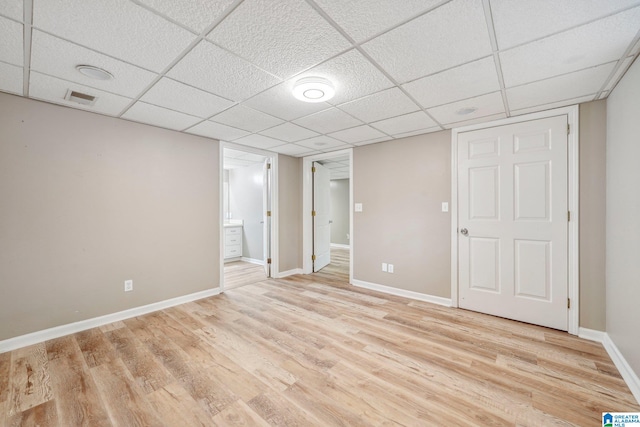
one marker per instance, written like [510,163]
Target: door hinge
[268,260]
[268,165]
[313,257]
[268,213]
[568,215]
[568,128]
[313,213]
[313,169]
[568,302]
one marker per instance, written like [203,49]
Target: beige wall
[623,216]
[340,207]
[88,201]
[401,185]
[593,135]
[289,212]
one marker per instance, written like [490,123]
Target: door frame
[573,138]
[273,159]
[307,206]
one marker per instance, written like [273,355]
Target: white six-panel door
[512,221]
[322,217]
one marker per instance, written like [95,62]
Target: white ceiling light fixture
[94,72]
[313,89]
[465,111]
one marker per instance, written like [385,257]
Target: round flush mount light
[94,72]
[465,111]
[313,89]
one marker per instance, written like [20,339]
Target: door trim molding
[572,113]
[273,158]
[307,203]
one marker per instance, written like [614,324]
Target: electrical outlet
[390,268]
[384,267]
[128,285]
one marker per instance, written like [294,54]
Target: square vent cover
[80,98]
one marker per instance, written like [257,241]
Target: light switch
[358,207]
[445,206]
[384,267]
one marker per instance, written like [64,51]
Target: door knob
[464,231]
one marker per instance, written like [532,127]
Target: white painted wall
[339,191]
[245,203]
[623,216]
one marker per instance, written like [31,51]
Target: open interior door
[321,217]
[266,221]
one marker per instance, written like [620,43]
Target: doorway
[247,216]
[327,219]
[514,222]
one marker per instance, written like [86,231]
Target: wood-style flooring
[311,351]
[240,273]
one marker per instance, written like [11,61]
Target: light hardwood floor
[311,351]
[240,273]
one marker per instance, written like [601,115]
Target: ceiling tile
[279,101]
[233,78]
[292,150]
[323,143]
[180,97]
[573,85]
[59,58]
[485,105]
[158,116]
[12,9]
[217,131]
[289,132]
[417,132]
[553,105]
[521,21]
[357,134]
[373,141]
[362,19]
[406,123]
[327,121]
[484,119]
[466,81]
[247,119]
[11,78]
[388,103]
[51,89]
[352,75]
[453,34]
[592,44]
[141,37]
[259,141]
[11,48]
[287,36]
[195,14]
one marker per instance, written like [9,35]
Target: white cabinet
[232,241]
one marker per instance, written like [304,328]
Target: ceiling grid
[225,69]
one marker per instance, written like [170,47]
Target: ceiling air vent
[80,98]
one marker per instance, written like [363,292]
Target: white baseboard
[83,325]
[629,376]
[340,246]
[402,293]
[252,260]
[591,334]
[282,274]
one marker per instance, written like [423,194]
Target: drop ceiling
[224,69]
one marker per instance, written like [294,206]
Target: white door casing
[321,217]
[512,202]
[266,217]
